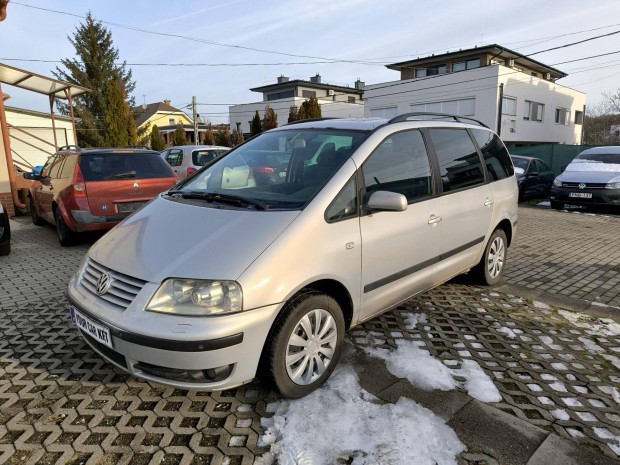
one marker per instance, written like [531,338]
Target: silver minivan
[187,159]
[258,263]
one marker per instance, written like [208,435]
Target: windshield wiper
[129,174]
[223,198]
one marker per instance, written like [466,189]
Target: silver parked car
[230,274]
[591,179]
[187,159]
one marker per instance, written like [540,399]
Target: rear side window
[203,156]
[495,154]
[68,167]
[459,163]
[112,166]
[175,157]
[400,164]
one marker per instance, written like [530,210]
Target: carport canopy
[36,83]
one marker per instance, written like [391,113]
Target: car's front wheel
[36,219]
[304,345]
[556,205]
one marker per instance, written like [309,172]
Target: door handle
[434,220]
[488,202]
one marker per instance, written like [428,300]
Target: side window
[543,166]
[45,172]
[459,163]
[344,205]
[68,167]
[400,164]
[175,157]
[495,155]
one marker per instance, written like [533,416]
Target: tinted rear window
[203,156]
[110,166]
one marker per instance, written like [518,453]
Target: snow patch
[591,345]
[560,414]
[413,319]
[358,429]
[541,305]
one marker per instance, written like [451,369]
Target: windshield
[595,162]
[109,166]
[280,169]
[520,163]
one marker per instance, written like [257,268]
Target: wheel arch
[506,226]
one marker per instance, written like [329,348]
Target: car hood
[172,239]
[588,176]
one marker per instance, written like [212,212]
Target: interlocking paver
[60,403]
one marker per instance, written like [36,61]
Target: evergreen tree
[270,120]
[209,137]
[178,136]
[237,137]
[157,142]
[293,114]
[119,127]
[309,109]
[222,136]
[255,125]
[94,66]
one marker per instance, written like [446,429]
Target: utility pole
[195,115]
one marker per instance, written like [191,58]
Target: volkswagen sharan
[224,278]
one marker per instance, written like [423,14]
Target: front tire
[556,205]
[304,345]
[36,219]
[490,270]
[66,237]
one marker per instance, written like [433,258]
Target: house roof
[143,114]
[494,49]
[313,85]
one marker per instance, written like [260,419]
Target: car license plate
[580,195]
[98,332]
[129,207]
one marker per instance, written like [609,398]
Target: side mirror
[387,201]
[32,176]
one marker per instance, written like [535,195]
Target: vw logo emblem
[104,283]
[135,186]
[582,185]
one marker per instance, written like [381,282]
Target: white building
[335,101]
[515,95]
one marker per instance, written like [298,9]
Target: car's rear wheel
[66,237]
[36,219]
[490,269]
[556,205]
[304,344]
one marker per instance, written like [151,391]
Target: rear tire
[490,270]
[556,205]
[5,249]
[36,219]
[304,345]
[66,237]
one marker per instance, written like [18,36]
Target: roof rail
[69,147]
[307,120]
[457,118]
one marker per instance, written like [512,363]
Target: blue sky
[372,31]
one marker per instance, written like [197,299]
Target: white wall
[245,112]
[40,126]
[5,186]
[482,85]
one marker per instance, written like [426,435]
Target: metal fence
[557,156]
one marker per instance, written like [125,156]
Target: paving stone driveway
[60,403]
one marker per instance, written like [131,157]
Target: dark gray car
[591,179]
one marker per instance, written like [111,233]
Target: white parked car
[221,279]
[187,159]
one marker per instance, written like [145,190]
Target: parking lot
[558,372]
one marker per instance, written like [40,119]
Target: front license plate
[580,195]
[98,332]
[129,207]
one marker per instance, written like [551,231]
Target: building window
[562,116]
[509,106]
[171,122]
[308,94]
[351,99]
[534,111]
[463,65]
[461,107]
[432,71]
[280,95]
[385,112]
[578,117]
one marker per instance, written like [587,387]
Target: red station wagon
[94,189]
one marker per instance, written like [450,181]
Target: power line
[575,43]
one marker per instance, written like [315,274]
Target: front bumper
[599,196]
[206,353]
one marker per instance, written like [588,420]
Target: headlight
[196,297]
[613,185]
[557,183]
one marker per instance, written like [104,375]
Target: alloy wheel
[495,259]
